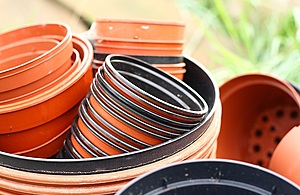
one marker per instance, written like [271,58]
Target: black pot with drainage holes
[210,177]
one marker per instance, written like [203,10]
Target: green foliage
[261,40]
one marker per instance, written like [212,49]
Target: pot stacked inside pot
[131,106]
[158,43]
[45,72]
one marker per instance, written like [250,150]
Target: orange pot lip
[61,87]
[181,71]
[242,81]
[45,143]
[134,22]
[27,47]
[67,38]
[139,48]
[73,67]
[178,65]
[117,41]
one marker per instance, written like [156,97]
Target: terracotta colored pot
[54,102]
[139,30]
[286,157]
[258,110]
[42,64]
[187,107]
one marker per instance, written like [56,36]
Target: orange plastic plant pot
[258,110]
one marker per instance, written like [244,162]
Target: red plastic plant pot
[258,110]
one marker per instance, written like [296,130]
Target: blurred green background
[230,37]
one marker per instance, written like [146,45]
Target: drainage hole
[260,162]
[258,132]
[279,113]
[294,114]
[272,128]
[277,140]
[269,154]
[265,118]
[256,148]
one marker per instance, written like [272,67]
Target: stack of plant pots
[158,43]
[107,173]
[45,72]
[133,105]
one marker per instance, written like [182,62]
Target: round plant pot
[210,177]
[258,110]
[41,65]
[17,116]
[286,157]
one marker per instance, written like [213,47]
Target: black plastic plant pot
[196,77]
[154,88]
[149,59]
[210,177]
